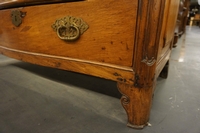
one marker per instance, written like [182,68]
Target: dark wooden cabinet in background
[127,41]
[181,20]
[184,16]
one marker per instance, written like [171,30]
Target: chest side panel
[168,28]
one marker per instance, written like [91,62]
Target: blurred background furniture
[195,20]
[181,20]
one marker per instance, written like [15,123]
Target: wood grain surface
[127,41]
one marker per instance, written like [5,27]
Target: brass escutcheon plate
[69,28]
[16,17]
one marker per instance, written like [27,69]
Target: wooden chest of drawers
[127,41]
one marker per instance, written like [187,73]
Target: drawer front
[109,38]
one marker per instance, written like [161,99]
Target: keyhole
[15,18]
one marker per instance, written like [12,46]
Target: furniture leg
[164,72]
[137,103]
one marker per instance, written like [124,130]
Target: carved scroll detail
[125,100]
[149,62]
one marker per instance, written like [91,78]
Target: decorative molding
[149,62]
[123,68]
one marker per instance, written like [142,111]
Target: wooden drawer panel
[109,39]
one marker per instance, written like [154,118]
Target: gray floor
[35,99]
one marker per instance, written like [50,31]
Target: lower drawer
[109,38]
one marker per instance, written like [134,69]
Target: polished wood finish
[127,41]
[136,101]
[96,44]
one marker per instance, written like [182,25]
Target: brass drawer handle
[70,33]
[69,28]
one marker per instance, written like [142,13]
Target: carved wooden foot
[137,103]
[164,72]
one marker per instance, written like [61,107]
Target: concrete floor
[36,99]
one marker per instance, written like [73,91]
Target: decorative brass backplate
[69,28]
[16,17]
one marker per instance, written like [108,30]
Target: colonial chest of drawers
[127,41]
